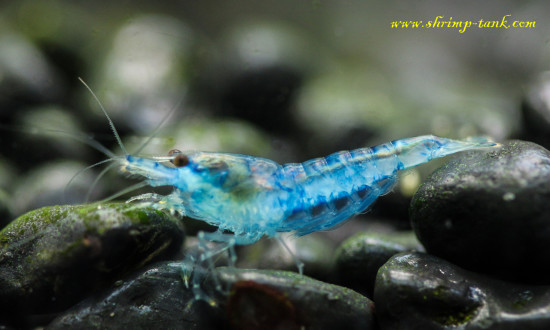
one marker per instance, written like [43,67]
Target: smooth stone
[254,299]
[52,257]
[420,291]
[292,301]
[489,211]
[153,298]
[359,257]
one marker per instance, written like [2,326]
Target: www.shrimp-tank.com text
[443,22]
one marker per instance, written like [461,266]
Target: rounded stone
[254,299]
[152,298]
[294,301]
[52,257]
[359,257]
[420,291]
[489,211]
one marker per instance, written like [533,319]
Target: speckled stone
[255,299]
[420,291]
[153,298]
[489,211]
[52,257]
[300,300]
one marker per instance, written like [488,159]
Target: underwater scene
[246,164]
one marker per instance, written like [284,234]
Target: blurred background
[287,80]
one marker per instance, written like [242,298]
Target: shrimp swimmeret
[249,197]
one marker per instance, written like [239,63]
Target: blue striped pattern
[252,196]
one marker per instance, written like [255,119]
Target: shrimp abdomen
[331,189]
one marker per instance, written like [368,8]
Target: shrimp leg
[207,253]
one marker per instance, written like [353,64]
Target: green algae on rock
[52,257]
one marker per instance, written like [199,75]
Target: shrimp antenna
[125,191]
[160,124]
[111,124]
[94,184]
[88,140]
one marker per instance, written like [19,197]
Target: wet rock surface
[304,302]
[280,80]
[52,257]
[255,299]
[359,257]
[153,298]
[420,291]
[489,211]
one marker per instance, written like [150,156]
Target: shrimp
[252,197]
[249,197]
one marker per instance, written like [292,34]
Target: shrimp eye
[179,160]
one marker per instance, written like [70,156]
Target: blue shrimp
[251,197]
[254,197]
